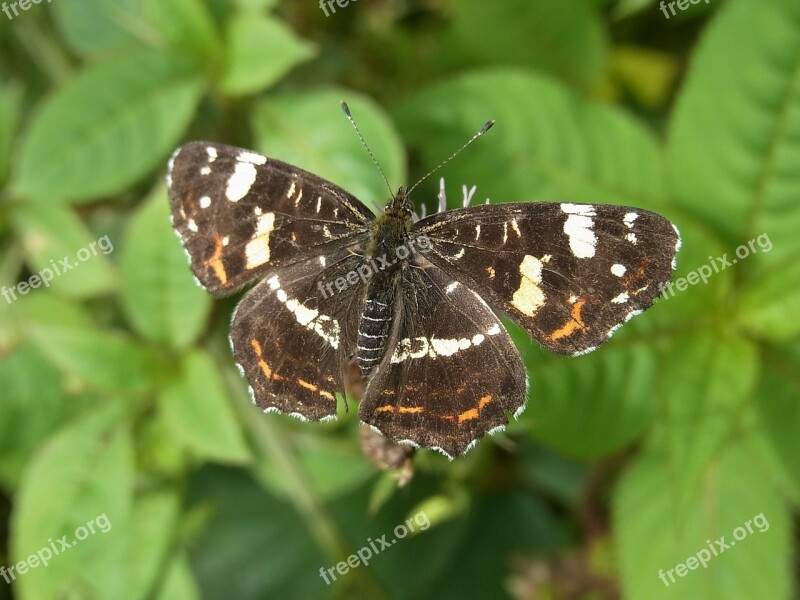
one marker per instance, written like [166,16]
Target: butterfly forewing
[241,214]
[570,274]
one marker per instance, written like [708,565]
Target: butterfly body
[414,302]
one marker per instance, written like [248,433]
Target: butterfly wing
[570,274]
[292,339]
[240,214]
[451,371]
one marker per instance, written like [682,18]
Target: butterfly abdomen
[373,330]
[389,232]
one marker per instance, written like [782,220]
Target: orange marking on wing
[215,262]
[575,323]
[308,386]
[468,415]
[262,363]
[411,409]
[265,367]
[472,413]
[385,408]
[327,395]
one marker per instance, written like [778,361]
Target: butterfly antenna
[483,130]
[346,110]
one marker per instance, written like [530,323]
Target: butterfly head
[400,205]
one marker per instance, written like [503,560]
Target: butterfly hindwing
[240,214]
[570,274]
[451,371]
[292,342]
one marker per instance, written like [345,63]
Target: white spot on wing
[578,228]
[621,299]
[529,298]
[205,202]
[324,326]
[257,250]
[618,270]
[244,175]
[251,157]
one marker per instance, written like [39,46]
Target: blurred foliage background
[118,393]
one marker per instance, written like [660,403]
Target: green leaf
[187,25]
[310,131]
[769,307]
[85,474]
[595,404]
[10,116]
[107,127]
[34,406]
[101,27]
[626,8]
[708,379]
[332,468]
[566,39]
[778,406]
[260,51]
[60,248]
[47,309]
[733,143]
[154,520]
[179,582]
[245,518]
[548,143]
[652,536]
[100,359]
[256,5]
[198,410]
[159,296]
[699,294]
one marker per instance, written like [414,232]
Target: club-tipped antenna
[483,130]
[346,110]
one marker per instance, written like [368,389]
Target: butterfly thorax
[389,232]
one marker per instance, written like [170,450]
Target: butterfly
[413,302]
